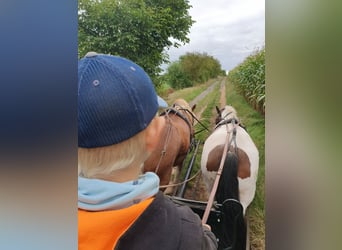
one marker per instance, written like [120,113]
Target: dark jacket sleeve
[209,241]
[165,225]
[194,232]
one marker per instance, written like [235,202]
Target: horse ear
[218,110]
[193,107]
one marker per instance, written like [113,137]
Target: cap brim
[162,103]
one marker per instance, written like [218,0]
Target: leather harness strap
[179,114]
[223,122]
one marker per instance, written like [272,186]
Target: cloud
[228,30]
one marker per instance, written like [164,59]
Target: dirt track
[198,191]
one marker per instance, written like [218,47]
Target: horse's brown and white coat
[248,156]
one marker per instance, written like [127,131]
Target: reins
[198,121]
[163,152]
[166,114]
[181,183]
[179,114]
[184,118]
[223,122]
[195,118]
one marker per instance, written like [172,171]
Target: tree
[200,67]
[176,77]
[139,30]
[192,68]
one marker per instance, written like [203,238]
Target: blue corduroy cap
[116,100]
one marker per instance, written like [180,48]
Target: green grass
[187,94]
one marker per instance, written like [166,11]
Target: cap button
[91,54]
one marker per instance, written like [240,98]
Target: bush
[176,77]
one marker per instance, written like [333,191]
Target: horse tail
[233,226]
[228,187]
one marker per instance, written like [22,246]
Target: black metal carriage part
[226,220]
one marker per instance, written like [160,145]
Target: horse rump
[228,187]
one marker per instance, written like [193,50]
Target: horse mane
[182,103]
[228,111]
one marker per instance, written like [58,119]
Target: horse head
[183,107]
[228,112]
[224,114]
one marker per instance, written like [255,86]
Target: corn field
[249,79]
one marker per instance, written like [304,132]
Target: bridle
[175,109]
[224,121]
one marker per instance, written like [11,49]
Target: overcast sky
[228,30]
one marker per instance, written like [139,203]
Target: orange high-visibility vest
[102,229]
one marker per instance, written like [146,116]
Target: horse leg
[165,179]
[173,179]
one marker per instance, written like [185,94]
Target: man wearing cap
[118,206]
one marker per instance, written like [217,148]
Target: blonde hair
[102,161]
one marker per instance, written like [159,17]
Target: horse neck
[183,115]
[186,113]
[189,119]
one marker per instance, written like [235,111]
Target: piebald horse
[237,184]
[240,169]
[174,143]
